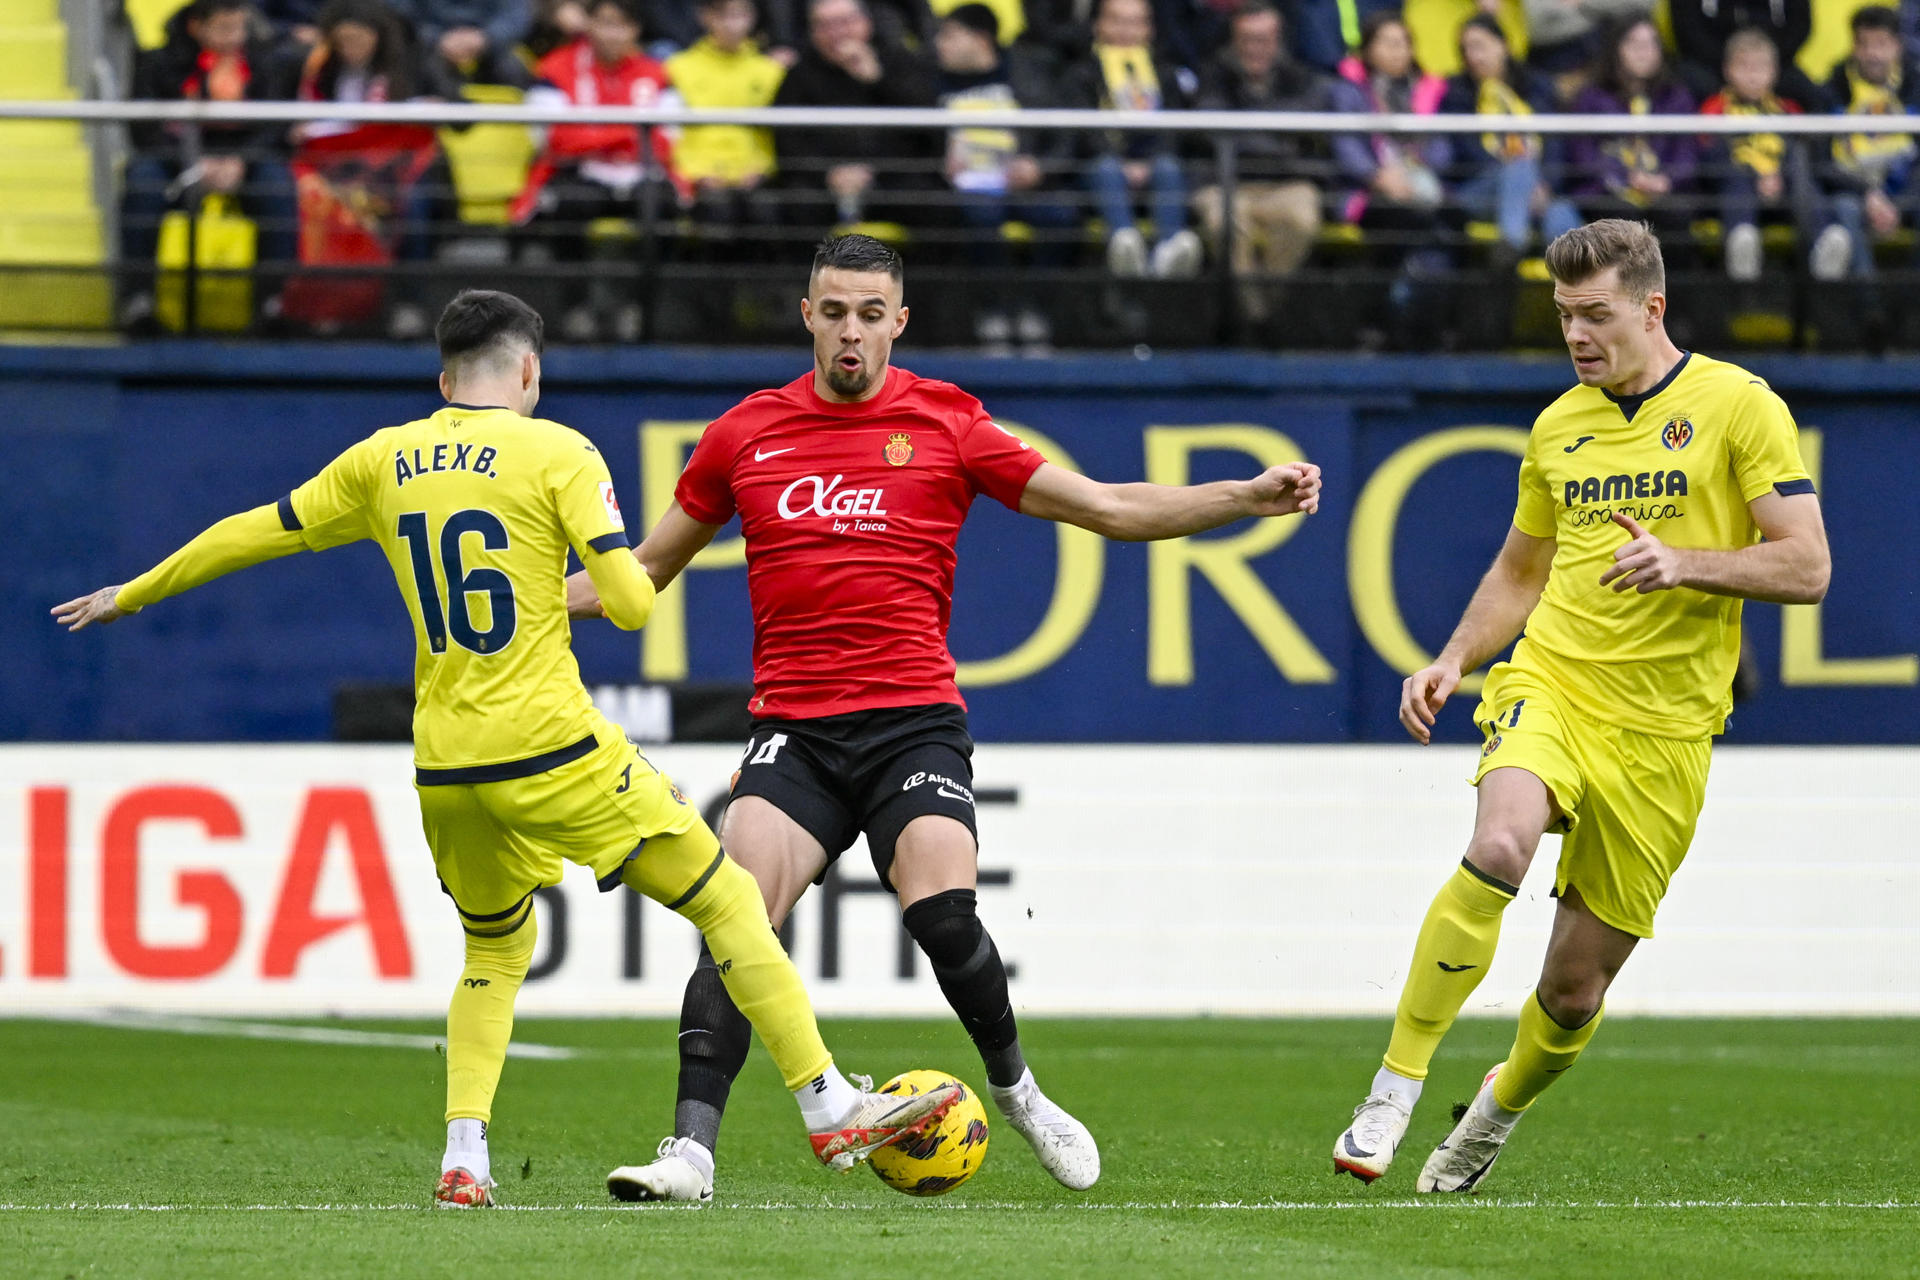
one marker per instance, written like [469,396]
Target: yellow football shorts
[494,843]
[1631,799]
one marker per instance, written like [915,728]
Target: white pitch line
[184,1024]
[1441,1205]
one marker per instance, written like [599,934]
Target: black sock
[967,966]
[714,1036]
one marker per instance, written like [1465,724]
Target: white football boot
[1062,1144]
[880,1120]
[1366,1149]
[1459,1163]
[682,1172]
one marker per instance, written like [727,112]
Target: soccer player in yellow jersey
[1645,496]
[475,508]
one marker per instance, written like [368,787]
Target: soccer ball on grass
[944,1155]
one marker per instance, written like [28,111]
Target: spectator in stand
[1869,177]
[469,41]
[1640,176]
[1504,178]
[1565,37]
[386,175]
[1395,188]
[210,56]
[1122,73]
[1701,29]
[727,166]
[589,171]
[906,23]
[556,22]
[997,174]
[1277,196]
[852,175]
[1764,174]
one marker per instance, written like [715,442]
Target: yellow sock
[480,1017]
[724,902]
[1450,958]
[1542,1049]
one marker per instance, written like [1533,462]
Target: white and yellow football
[945,1155]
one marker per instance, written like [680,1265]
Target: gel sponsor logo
[813,496]
[1618,488]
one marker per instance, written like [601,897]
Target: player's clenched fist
[1645,563]
[1284,489]
[1423,694]
[101,606]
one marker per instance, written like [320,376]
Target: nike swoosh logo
[953,795]
[1355,1151]
[1455,968]
[761,455]
[1577,443]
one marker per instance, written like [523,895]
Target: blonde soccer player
[1654,497]
[518,773]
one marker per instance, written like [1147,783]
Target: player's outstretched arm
[1791,567]
[233,543]
[663,554]
[1149,512]
[1494,617]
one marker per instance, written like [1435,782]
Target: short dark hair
[857,253]
[205,9]
[483,321]
[1581,254]
[1379,21]
[1257,9]
[629,9]
[1876,17]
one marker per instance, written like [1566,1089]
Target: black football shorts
[873,771]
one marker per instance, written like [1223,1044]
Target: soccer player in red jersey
[851,484]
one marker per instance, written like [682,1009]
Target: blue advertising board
[1295,630]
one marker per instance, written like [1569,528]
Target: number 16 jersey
[475,509]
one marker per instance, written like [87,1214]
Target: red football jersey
[850,512]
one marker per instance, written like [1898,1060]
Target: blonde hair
[1584,252]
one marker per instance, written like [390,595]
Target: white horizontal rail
[434,113]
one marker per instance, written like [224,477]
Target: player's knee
[507,955]
[947,927]
[1572,999]
[1502,854]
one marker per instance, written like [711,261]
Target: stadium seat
[1435,28]
[149,20]
[225,251]
[49,212]
[489,162]
[1832,38]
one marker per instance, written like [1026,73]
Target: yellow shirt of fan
[475,509]
[1684,460]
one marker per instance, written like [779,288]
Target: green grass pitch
[1676,1149]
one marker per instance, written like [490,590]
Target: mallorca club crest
[899,450]
[1677,434]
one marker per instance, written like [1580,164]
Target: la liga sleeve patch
[612,504]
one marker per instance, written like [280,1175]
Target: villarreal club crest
[942,1156]
[1677,434]
[899,448]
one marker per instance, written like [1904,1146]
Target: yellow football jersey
[1683,460]
[475,509]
